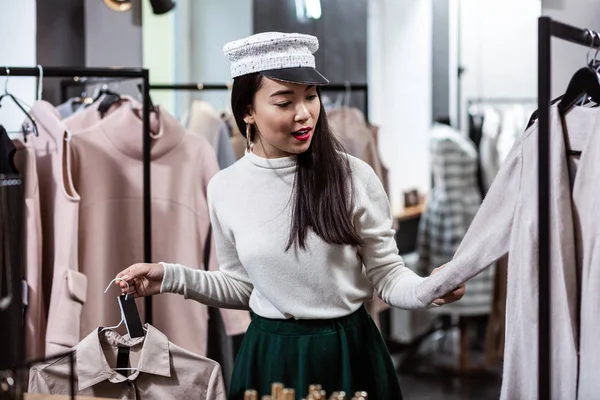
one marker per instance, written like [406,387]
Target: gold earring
[248,136]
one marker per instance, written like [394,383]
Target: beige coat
[507,222]
[63,282]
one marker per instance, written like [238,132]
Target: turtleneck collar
[123,128]
[271,163]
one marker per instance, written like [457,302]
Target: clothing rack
[501,100]
[547,29]
[75,73]
[332,87]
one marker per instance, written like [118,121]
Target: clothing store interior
[115,115]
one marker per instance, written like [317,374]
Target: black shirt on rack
[7,154]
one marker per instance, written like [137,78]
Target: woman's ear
[249,116]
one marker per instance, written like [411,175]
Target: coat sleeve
[488,237]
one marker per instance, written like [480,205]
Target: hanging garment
[350,128]
[70,107]
[91,114]
[507,221]
[453,203]
[488,147]
[586,137]
[11,238]
[203,120]
[64,285]
[384,170]
[475,133]
[225,155]
[107,174]
[238,141]
[7,154]
[35,321]
[164,370]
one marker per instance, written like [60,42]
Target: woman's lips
[302,134]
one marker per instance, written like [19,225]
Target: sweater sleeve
[229,287]
[488,237]
[393,281]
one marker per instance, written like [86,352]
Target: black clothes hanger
[7,154]
[7,94]
[140,89]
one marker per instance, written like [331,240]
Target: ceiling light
[119,5]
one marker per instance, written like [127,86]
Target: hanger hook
[348,93]
[592,37]
[6,81]
[40,87]
[114,280]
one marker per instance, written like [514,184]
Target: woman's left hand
[451,297]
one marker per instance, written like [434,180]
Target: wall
[498,49]
[60,39]
[400,49]
[568,58]
[17,44]
[342,34]
[440,62]
[113,39]
[158,46]
[214,23]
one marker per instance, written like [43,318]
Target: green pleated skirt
[346,353]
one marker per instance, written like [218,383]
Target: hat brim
[301,75]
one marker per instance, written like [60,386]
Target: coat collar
[93,368]
[123,129]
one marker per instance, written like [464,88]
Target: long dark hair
[323,192]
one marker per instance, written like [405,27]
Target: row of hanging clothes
[507,223]
[82,165]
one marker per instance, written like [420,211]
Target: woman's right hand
[143,279]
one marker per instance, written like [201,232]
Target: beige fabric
[164,370]
[59,210]
[350,127]
[204,121]
[35,322]
[238,141]
[107,173]
[384,170]
[507,221]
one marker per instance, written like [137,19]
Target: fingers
[129,276]
[438,269]
[133,272]
[451,297]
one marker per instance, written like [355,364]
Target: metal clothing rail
[332,87]
[547,29]
[123,73]
[501,100]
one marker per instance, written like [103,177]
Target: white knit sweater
[250,209]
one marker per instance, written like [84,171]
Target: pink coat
[107,174]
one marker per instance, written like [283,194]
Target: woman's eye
[283,105]
[312,97]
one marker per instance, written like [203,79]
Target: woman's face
[284,115]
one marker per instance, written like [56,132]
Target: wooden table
[410,212]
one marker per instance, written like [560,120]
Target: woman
[294,222]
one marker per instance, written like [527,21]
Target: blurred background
[405,68]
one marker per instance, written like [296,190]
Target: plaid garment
[452,205]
